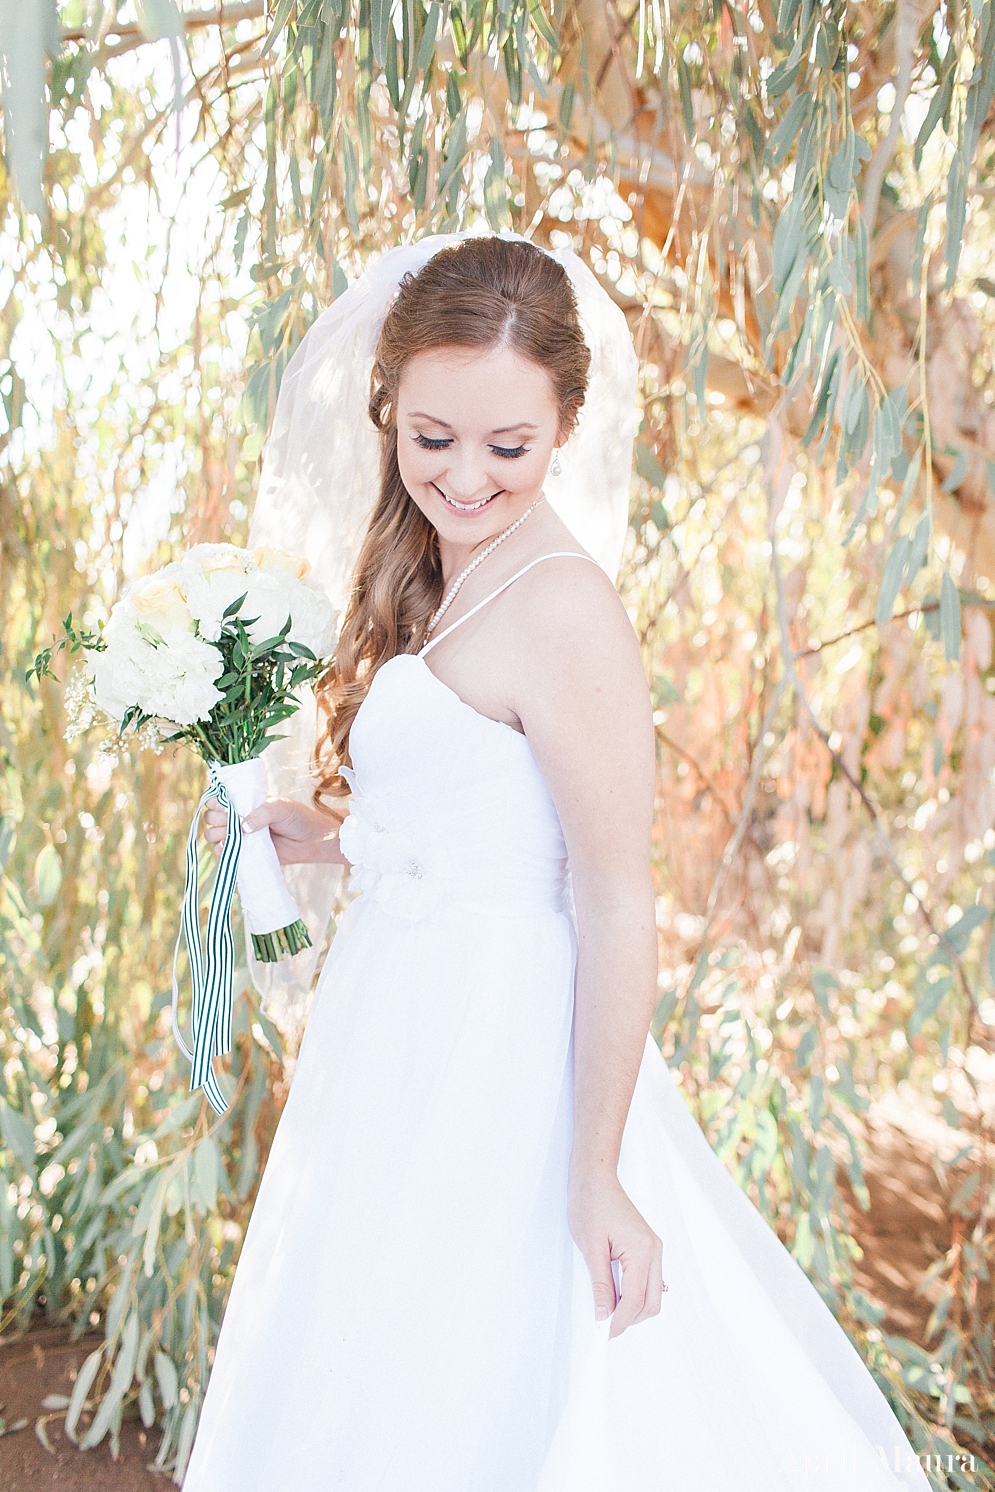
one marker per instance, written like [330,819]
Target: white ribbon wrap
[267,905]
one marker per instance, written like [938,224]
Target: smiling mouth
[466,507]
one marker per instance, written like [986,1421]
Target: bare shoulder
[576,650]
[572,605]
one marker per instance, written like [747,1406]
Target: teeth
[467,507]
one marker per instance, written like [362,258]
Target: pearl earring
[556,470]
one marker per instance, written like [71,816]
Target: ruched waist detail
[413,872]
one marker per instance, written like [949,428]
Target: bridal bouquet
[209,652]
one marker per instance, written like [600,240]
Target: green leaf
[842,163]
[806,1047]
[82,1386]
[48,875]
[860,269]
[687,103]
[647,465]
[18,1135]
[928,1003]
[931,616]
[283,10]
[782,78]
[542,24]
[167,1380]
[827,398]
[426,50]
[956,216]
[954,477]
[958,934]
[567,105]
[891,579]
[937,108]
[8,838]
[855,401]
[787,243]
[664,692]
[208,1171]
[124,1372]
[848,1092]
[950,617]
[888,429]
[920,547]
[379,24]
[915,273]
[496,190]
[783,137]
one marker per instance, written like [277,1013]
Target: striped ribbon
[211,966]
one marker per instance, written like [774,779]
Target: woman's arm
[586,710]
[301,834]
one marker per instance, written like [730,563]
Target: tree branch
[220,15]
[909,21]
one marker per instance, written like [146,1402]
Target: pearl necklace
[478,559]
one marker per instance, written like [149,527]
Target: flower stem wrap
[271,917]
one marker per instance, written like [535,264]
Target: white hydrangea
[179,687]
[172,678]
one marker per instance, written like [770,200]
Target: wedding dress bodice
[450,808]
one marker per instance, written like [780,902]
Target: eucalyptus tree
[792,206]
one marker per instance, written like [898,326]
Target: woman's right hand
[300,834]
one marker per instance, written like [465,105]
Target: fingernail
[247,827]
[601,1313]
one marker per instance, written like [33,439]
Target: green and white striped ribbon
[212,965]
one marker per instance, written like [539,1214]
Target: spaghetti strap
[556,554]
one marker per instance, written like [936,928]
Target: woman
[482,1150]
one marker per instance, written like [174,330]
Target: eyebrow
[420,414]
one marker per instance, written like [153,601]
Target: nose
[467,476]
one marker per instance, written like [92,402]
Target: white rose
[272,557]
[268,604]
[314,619]
[219,558]
[161,603]
[210,595]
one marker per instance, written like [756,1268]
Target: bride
[453,1276]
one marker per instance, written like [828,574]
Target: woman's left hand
[606,1226]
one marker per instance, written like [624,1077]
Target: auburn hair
[481,293]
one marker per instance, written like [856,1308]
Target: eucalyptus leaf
[950,617]
[81,1388]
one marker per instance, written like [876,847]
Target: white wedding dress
[410,1313]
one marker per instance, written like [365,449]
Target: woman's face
[475,434]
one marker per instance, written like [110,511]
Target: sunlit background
[810,567]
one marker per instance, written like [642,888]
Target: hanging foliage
[790,204]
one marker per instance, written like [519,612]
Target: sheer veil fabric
[319,483]
[364,1348]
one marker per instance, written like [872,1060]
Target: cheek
[416,465]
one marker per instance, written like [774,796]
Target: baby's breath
[80,706]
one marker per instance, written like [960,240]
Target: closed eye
[509,453]
[428,444]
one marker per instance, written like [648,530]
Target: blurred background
[793,206]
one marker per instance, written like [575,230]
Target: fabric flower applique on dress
[408,882]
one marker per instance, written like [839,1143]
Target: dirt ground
[45,1362]
[907,1228]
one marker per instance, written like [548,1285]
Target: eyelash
[428,444]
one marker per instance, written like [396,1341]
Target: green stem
[269,948]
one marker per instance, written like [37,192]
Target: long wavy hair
[482,293]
